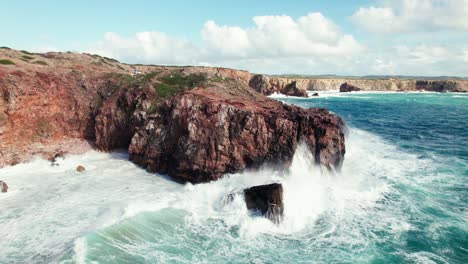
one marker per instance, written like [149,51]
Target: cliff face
[194,123]
[199,135]
[278,84]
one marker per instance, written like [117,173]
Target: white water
[49,210]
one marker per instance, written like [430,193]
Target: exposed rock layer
[317,84]
[202,134]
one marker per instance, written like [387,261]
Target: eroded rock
[267,199]
[293,90]
[202,134]
[80,168]
[3,187]
[346,87]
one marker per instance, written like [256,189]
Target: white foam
[47,207]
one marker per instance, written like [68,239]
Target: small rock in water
[80,168]
[315,94]
[3,187]
[268,199]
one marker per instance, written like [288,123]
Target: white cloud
[146,47]
[312,36]
[281,36]
[312,44]
[422,60]
[413,15]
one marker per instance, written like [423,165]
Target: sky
[343,37]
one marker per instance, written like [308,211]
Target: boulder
[315,94]
[80,168]
[346,87]
[3,187]
[267,199]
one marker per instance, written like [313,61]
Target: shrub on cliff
[26,57]
[41,63]
[6,62]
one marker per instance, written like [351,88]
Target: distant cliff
[270,85]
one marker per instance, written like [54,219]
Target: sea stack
[346,87]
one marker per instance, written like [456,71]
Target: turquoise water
[401,197]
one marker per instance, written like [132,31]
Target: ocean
[400,197]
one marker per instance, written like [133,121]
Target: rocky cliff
[278,84]
[193,123]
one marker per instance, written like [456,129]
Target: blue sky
[420,37]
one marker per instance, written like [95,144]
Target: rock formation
[80,168]
[277,84]
[346,87]
[267,199]
[263,85]
[201,134]
[193,123]
[293,90]
[3,187]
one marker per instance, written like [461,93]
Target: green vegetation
[190,81]
[150,76]
[6,48]
[153,108]
[41,63]
[97,63]
[26,52]
[6,62]
[44,129]
[119,67]
[26,57]
[111,60]
[104,62]
[177,83]
[166,90]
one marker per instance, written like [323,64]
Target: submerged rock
[346,87]
[80,169]
[267,199]
[3,187]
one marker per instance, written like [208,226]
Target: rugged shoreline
[193,123]
[271,84]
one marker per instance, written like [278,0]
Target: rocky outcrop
[267,199]
[346,88]
[441,86]
[199,135]
[263,85]
[293,90]
[193,123]
[3,187]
